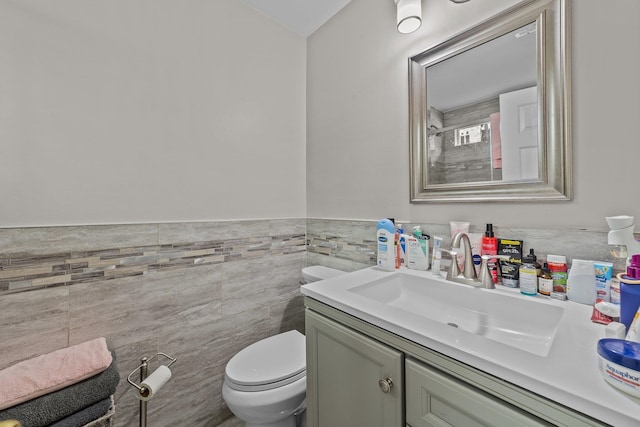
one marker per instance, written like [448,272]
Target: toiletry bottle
[396,246]
[418,250]
[545,281]
[490,247]
[437,255]
[615,290]
[528,276]
[634,328]
[604,274]
[385,234]
[533,256]
[558,268]
[424,245]
[630,291]
[401,247]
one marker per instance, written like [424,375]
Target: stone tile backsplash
[352,244]
[21,272]
[36,258]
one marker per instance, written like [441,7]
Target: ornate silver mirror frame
[553,182]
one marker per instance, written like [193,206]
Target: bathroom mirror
[490,110]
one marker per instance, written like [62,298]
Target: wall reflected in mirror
[482,112]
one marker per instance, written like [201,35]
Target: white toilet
[265,384]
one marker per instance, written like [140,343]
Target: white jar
[581,282]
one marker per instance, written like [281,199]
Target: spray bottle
[490,247]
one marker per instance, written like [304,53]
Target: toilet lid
[314,273]
[268,363]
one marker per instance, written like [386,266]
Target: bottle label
[545,286]
[489,246]
[528,281]
[559,275]
[559,281]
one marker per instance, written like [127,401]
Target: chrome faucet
[469,271]
[468,275]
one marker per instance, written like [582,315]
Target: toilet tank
[315,273]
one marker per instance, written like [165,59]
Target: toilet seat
[269,363]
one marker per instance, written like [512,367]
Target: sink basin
[525,323]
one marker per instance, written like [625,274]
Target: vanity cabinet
[352,380]
[361,375]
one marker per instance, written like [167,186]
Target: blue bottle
[385,235]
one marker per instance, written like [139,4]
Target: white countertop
[568,375]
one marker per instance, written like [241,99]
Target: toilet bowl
[265,383]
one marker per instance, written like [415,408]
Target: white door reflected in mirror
[519,135]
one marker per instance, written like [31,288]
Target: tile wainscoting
[197,291]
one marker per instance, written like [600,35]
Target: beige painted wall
[139,111]
[132,111]
[357,112]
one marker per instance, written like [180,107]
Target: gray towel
[45,410]
[85,416]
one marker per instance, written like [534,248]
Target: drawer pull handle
[385,385]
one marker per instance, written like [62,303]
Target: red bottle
[490,247]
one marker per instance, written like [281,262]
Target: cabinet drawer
[434,398]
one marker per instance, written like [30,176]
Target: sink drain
[452,324]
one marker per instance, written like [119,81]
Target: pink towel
[53,371]
[496,141]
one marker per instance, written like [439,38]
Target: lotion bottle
[385,235]
[418,250]
[437,255]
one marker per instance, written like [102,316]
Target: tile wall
[197,291]
[349,245]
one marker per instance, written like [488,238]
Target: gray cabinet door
[435,399]
[344,370]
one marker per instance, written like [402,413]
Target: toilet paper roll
[154,382]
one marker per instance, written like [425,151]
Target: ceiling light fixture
[409,15]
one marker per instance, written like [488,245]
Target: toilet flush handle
[385,385]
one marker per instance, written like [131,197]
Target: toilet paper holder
[144,368]
[143,392]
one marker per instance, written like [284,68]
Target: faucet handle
[485,277]
[454,270]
